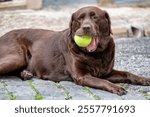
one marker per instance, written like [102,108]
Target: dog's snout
[86,27]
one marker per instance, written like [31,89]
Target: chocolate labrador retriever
[54,56]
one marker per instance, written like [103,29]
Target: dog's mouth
[93,45]
[95,40]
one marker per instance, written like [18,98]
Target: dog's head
[94,22]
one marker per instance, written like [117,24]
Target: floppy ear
[71,24]
[109,22]
[74,24]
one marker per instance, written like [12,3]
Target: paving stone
[19,88]
[48,89]
[62,3]
[76,91]
[37,4]
[136,93]
[3,93]
[104,95]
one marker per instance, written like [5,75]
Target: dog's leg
[126,77]
[100,84]
[11,63]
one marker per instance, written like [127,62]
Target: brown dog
[54,55]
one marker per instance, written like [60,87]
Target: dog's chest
[95,67]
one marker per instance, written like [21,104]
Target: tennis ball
[82,41]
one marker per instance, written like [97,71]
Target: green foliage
[86,89]
[38,95]
[10,94]
[65,92]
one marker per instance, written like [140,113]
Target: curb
[119,31]
[131,31]
[147,32]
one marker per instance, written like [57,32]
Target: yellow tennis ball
[82,41]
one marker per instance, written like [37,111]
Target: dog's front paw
[145,82]
[142,81]
[26,75]
[119,91]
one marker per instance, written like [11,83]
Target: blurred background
[129,17]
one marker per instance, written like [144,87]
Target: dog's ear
[71,24]
[109,22]
[74,24]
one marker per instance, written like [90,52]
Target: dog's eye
[92,14]
[95,17]
[81,17]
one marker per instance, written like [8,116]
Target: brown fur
[54,55]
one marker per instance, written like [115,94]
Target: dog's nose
[86,27]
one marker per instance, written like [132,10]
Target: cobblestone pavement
[132,54]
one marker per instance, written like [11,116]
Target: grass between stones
[64,91]
[146,95]
[10,94]
[124,85]
[96,97]
[38,95]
